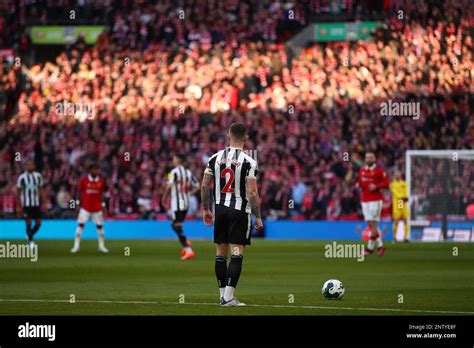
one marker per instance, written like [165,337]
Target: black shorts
[179,215]
[231,226]
[32,212]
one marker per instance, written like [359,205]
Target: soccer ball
[333,290]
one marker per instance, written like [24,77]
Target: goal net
[441,194]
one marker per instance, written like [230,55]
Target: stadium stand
[158,85]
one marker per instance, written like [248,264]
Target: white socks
[229,293]
[379,242]
[100,237]
[370,244]
[221,291]
[77,238]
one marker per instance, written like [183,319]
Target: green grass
[428,276]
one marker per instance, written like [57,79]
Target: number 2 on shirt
[227,188]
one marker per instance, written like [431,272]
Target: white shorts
[372,210]
[84,216]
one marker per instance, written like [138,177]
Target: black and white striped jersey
[231,167]
[182,181]
[29,185]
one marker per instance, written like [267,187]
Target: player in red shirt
[371,180]
[90,201]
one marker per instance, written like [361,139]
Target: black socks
[30,232]
[180,233]
[221,271]
[233,272]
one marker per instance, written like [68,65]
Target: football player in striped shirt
[234,175]
[30,198]
[182,184]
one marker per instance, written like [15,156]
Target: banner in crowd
[343,31]
[59,35]
[431,231]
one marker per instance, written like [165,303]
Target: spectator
[136,99]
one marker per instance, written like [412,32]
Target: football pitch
[146,277]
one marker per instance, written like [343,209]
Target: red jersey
[91,190]
[376,176]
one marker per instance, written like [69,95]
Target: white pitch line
[327,307]
[249,305]
[83,301]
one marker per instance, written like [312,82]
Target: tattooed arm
[254,201]
[205,186]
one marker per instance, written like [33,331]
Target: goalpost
[440,194]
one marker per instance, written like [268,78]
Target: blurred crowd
[449,186]
[153,86]
[143,21]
